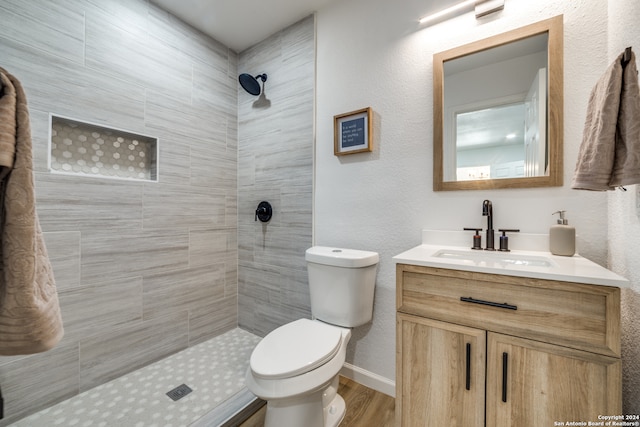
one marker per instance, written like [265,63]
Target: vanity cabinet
[476,349]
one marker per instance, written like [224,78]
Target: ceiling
[240,24]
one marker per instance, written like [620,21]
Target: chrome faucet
[487,210]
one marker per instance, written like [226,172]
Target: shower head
[250,83]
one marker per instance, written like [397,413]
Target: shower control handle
[264,211]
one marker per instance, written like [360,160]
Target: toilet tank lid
[340,257]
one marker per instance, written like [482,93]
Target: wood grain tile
[100,308]
[73,203]
[108,356]
[30,23]
[144,60]
[182,290]
[213,319]
[182,206]
[64,253]
[174,160]
[181,36]
[213,167]
[135,253]
[176,116]
[275,155]
[35,382]
[90,95]
[128,65]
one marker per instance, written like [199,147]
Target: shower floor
[214,370]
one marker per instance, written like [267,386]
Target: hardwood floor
[365,407]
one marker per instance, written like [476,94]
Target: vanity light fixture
[482,8]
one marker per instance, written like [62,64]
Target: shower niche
[86,149]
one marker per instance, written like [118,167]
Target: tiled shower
[145,269]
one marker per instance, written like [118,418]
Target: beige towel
[626,165]
[30,320]
[610,151]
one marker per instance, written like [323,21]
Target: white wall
[372,53]
[624,221]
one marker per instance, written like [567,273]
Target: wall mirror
[498,111]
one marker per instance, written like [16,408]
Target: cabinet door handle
[468,379]
[489,303]
[505,362]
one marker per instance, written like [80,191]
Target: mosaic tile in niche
[88,149]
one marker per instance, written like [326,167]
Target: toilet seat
[295,348]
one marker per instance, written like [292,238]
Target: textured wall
[143,269]
[275,163]
[380,201]
[624,221]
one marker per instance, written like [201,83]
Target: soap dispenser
[562,237]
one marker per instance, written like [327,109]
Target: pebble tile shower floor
[214,370]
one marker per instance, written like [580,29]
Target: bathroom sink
[494,257]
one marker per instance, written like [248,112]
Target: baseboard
[369,379]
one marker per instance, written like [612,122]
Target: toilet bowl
[295,367]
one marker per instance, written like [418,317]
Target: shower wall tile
[55,85]
[174,161]
[123,250]
[213,319]
[258,293]
[224,175]
[113,304]
[128,15]
[217,246]
[231,264]
[108,356]
[28,23]
[69,203]
[246,169]
[207,246]
[135,253]
[168,114]
[296,210]
[124,53]
[183,37]
[215,88]
[64,253]
[39,138]
[231,213]
[183,206]
[32,383]
[275,163]
[182,290]
[263,304]
[232,135]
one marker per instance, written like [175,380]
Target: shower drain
[179,392]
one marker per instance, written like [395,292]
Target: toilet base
[334,413]
[323,408]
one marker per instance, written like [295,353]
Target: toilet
[295,367]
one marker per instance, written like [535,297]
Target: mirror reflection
[495,112]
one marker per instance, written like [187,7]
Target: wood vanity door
[440,373]
[545,383]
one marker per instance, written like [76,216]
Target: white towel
[610,151]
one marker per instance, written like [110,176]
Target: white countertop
[568,269]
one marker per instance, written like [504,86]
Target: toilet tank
[341,284]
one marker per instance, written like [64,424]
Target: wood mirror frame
[555,132]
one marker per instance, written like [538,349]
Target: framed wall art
[352,132]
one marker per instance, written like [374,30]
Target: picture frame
[353,132]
